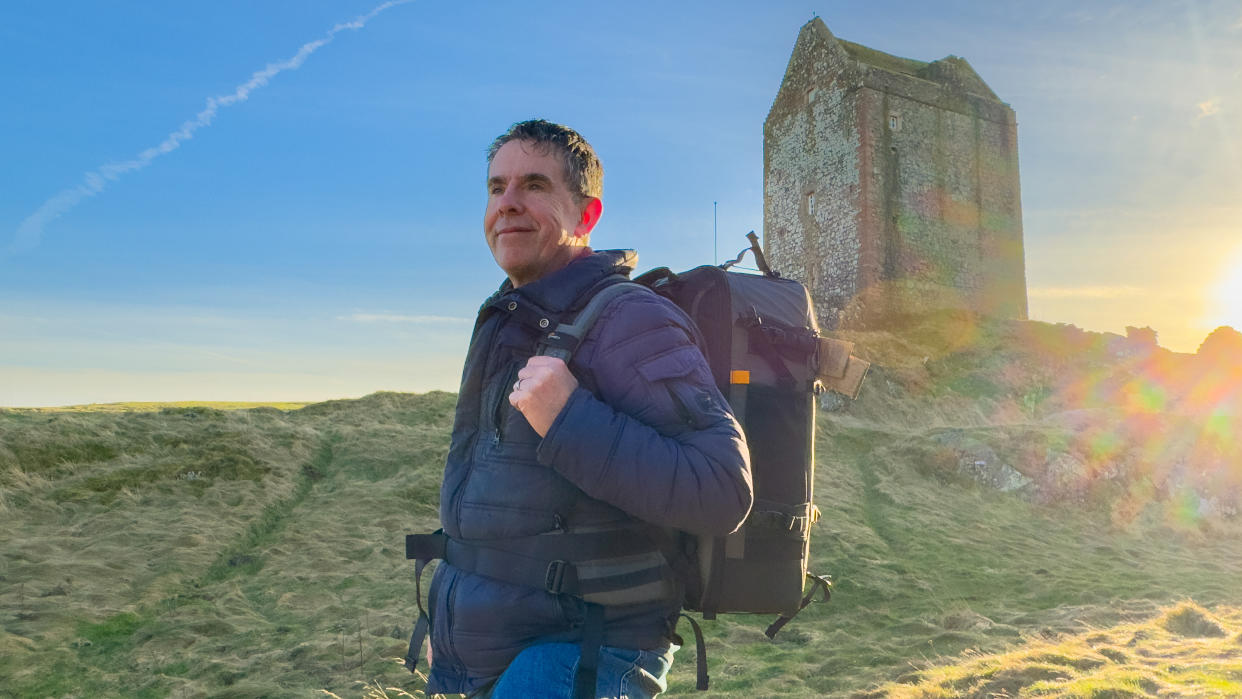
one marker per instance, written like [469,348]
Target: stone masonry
[891,185]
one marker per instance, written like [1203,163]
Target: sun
[1229,295]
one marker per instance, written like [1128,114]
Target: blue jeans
[546,671]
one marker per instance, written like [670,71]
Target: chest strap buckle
[561,577]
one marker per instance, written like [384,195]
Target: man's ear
[591,212]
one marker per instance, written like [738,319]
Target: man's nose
[510,200]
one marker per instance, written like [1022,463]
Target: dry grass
[150,406]
[374,690]
[1186,651]
[192,551]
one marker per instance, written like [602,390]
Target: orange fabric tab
[739,376]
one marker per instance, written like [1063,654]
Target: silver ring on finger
[517,385]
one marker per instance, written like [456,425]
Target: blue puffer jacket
[646,435]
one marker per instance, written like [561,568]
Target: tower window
[894,121]
[810,95]
[810,203]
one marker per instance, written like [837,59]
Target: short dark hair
[583,172]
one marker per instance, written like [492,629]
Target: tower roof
[951,71]
[881,60]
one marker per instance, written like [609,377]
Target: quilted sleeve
[656,438]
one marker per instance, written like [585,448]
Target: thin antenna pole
[715,254]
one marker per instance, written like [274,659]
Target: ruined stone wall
[1003,248]
[811,178]
[947,208]
[916,203]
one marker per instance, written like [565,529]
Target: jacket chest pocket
[507,422]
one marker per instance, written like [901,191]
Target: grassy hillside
[198,552]
[1016,508]
[152,406]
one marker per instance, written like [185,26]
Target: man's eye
[495,189]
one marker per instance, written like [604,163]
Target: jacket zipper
[474,440]
[502,395]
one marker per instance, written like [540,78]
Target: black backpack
[769,361]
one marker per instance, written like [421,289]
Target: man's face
[534,224]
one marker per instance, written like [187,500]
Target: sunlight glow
[1229,295]
[1165,426]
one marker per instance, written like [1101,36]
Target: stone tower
[891,185]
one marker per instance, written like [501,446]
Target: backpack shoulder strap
[563,341]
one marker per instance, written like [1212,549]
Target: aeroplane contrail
[94,181]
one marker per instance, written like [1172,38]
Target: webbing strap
[817,583]
[422,624]
[700,653]
[710,603]
[547,561]
[588,663]
[425,546]
[564,340]
[577,544]
[555,576]
[776,521]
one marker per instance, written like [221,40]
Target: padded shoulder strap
[564,340]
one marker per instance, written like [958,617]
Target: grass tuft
[112,633]
[1190,620]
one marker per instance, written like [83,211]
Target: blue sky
[322,237]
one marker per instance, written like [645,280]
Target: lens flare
[1159,433]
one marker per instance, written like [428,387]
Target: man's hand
[542,390]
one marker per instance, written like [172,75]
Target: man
[631,439]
